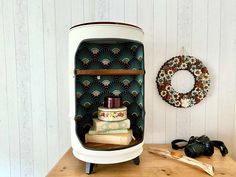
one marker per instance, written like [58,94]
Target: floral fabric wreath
[201,85]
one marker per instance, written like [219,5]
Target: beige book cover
[93,131]
[119,139]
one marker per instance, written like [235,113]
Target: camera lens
[209,150]
[191,152]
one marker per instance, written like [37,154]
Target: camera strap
[179,144]
[221,146]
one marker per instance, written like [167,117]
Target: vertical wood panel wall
[34,125]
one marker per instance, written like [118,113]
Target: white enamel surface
[102,157]
[76,36]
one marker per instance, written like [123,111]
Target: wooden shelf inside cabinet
[109,147]
[101,72]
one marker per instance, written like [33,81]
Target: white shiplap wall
[34,126]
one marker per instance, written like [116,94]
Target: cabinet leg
[136,160]
[89,168]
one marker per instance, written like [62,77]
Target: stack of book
[116,132]
[112,125]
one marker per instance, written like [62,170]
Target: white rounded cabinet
[105,59]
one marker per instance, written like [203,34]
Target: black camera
[197,146]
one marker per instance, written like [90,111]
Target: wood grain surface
[150,166]
[109,72]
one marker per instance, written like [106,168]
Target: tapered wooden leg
[89,168]
[136,160]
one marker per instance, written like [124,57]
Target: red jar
[112,102]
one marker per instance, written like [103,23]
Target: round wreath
[201,85]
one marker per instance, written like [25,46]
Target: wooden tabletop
[150,166]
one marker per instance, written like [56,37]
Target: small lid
[123,108]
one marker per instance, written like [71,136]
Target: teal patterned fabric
[91,90]
[120,54]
